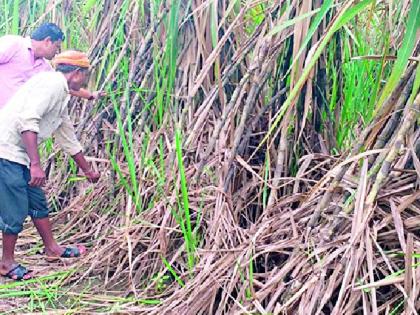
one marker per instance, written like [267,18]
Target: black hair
[45,30]
[64,68]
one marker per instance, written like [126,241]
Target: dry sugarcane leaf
[399,227]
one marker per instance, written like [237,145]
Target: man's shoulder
[12,40]
[47,80]
[50,77]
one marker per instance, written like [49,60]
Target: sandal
[69,252]
[18,273]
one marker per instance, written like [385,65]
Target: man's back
[40,106]
[17,65]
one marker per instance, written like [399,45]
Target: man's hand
[86,94]
[30,140]
[96,95]
[92,176]
[37,176]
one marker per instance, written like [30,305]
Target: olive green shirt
[40,105]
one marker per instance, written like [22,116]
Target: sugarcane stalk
[364,137]
[389,104]
[258,79]
[236,97]
[391,125]
[409,120]
[202,112]
[281,154]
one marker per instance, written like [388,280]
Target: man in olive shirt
[37,111]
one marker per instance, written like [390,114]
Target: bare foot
[54,251]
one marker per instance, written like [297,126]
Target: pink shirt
[17,65]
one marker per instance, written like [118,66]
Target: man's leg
[13,211]
[8,262]
[44,229]
[9,243]
[8,257]
[38,211]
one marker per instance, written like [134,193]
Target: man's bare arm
[30,140]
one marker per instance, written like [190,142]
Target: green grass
[184,216]
[359,85]
[337,25]
[124,139]
[40,293]
[46,293]
[404,52]
[173,272]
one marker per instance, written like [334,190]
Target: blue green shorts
[17,198]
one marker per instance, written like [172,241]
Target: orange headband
[73,58]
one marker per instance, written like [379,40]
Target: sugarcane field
[210,157]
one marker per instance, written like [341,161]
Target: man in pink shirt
[21,58]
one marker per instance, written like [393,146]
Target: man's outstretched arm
[66,138]
[80,160]
[83,93]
